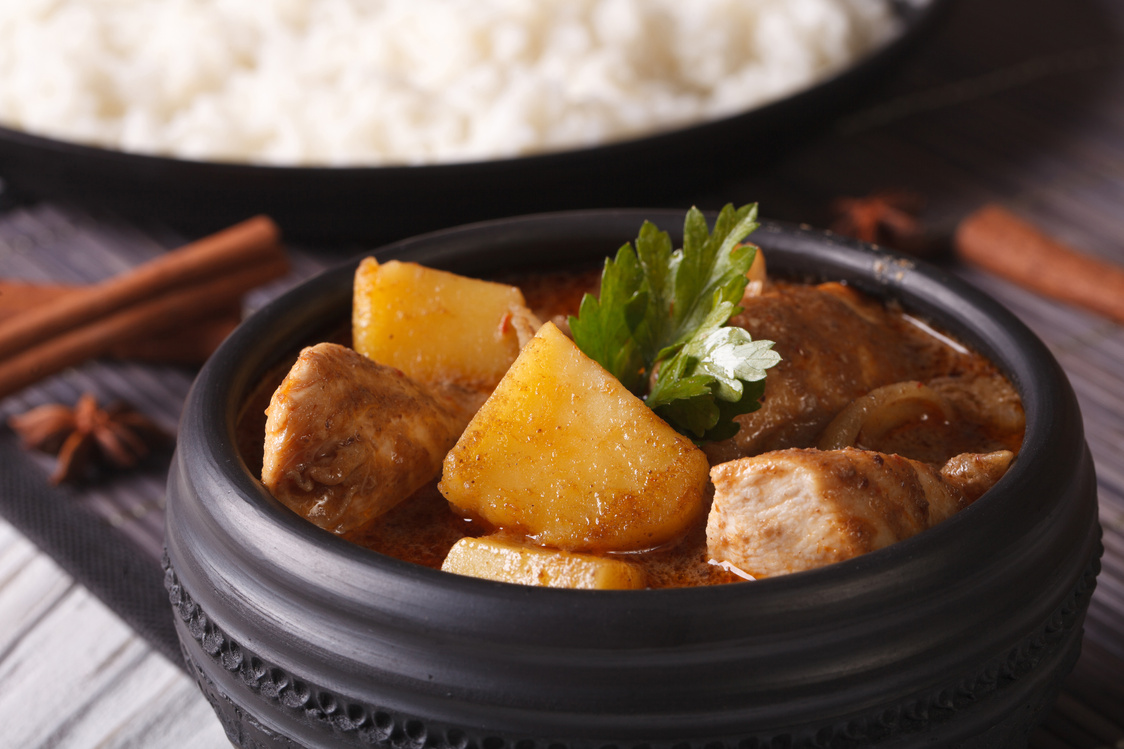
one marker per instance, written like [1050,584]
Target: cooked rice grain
[368,82]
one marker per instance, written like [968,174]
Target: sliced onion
[881,410]
[756,271]
[756,275]
[525,323]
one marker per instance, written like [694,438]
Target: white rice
[368,82]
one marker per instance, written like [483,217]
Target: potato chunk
[564,454]
[433,325]
[495,559]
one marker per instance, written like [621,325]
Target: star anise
[119,435]
[887,218]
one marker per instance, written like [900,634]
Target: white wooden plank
[149,704]
[179,717]
[84,678]
[30,585]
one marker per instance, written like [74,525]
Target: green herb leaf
[666,311]
[603,327]
[715,376]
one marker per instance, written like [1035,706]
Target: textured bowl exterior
[956,637]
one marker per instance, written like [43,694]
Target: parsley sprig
[666,311]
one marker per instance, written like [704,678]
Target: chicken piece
[346,439]
[835,345]
[799,509]
[972,474]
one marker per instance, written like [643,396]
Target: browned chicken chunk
[835,346]
[972,474]
[346,438]
[798,509]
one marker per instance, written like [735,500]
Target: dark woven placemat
[102,558]
[107,533]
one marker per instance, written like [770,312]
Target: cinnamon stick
[190,343]
[145,318]
[17,297]
[253,241]
[996,240]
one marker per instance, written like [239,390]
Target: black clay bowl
[956,637]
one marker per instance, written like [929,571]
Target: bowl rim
[1026,362]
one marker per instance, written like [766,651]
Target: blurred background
[1016,103]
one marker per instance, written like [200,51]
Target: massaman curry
[463,427]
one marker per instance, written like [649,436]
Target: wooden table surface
[1013,102]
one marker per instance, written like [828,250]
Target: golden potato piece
[563,454]
[347,438]
[433,325]
[509,562]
